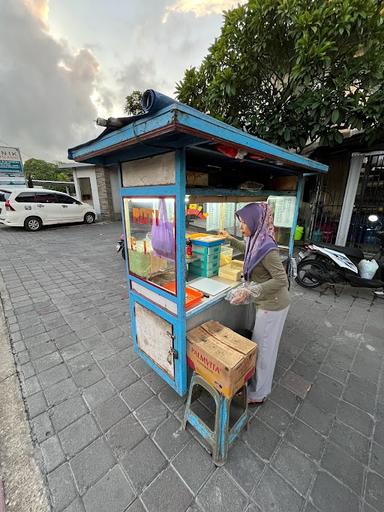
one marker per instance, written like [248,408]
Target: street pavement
[106,429]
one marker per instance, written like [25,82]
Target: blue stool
[222,437]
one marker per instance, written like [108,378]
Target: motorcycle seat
[351,252]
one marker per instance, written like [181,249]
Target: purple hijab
[258,218]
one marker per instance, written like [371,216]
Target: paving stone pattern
[107,428]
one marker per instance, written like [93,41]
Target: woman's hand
[240,296]
[222,232]
[244,294]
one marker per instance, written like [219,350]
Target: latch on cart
[172,353]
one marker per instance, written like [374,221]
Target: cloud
[140,75]
[200,7]
[39,8]
[164,50]
[52,89]
[46,88]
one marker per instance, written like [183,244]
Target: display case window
[211,217]
[151,239]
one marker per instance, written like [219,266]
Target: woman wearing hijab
[262,268]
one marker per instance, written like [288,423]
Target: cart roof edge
[177,126]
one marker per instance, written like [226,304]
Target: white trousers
[266,333]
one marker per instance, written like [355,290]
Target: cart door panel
[155,337]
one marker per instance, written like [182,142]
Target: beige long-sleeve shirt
[271,276]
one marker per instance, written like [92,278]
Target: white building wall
[91,174]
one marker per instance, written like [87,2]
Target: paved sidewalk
[24,485]
[106,428]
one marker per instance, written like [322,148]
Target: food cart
[183,175]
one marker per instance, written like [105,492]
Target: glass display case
[207,218]
[150,239]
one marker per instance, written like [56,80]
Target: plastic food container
[192,236]
[233,271]
[226,255]
[209,241]
[203,250]
[192,297]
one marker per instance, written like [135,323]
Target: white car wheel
[33,224]
[89,218]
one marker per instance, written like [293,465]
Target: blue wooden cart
[158,152]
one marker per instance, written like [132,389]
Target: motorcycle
[120,247]
[331,264]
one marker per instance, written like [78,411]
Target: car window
[25,197]
[45,197]
[4,195]
[64,199]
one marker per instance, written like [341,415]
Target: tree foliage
[42,170]
[295,71]
[133,103]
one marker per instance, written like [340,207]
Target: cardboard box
[197,179]
[222,357]
[287,183]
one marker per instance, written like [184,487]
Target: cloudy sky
[65,62]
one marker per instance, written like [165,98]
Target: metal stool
[222,437]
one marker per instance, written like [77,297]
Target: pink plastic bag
[163,238]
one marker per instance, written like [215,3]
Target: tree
[133,103]
[42,170]
[295,71]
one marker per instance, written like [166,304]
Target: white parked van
[33,208]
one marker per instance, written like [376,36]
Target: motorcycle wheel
[309,281]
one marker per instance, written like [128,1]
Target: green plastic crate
[201,250]
[202,273]
[207,262]
[205,267]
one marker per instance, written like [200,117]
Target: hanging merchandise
[229,215]
[163,238]
[213,218]
[299,231]
[142,215]
[283,208]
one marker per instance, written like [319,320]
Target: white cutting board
[208,286]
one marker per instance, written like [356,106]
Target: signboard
[10,162]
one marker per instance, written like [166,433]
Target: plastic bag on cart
[244,294]
[162,236]
[367,268]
